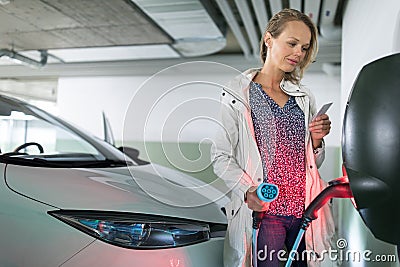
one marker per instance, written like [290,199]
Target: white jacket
[237,161]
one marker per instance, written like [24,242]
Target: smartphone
[322,110]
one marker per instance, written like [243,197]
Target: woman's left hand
[319,128]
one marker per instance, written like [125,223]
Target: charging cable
[339,188]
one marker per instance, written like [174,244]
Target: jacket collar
[239,86]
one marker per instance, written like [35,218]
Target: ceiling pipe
[276,6]
[233,24]
[311,9]
[25,60]
[327,27]
[247,19]
[295,4]
[178,19]
[261,14]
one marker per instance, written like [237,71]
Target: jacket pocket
[232,208]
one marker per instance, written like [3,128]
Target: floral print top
[280,137]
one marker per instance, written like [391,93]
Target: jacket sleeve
[225,149]
[320,154]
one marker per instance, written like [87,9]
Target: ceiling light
[115,53]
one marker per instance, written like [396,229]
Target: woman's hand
[253,202]
[319,128]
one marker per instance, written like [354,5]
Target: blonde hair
[276,26]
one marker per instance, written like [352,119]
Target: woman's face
[290,47]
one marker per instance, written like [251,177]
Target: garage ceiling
[118,37]
[53,24]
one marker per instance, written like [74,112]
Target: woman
[268,136]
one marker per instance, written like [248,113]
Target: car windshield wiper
[60,163]
[106,163]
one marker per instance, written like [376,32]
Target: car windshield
[30,136]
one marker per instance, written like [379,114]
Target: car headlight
[136,231]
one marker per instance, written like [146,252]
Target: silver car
[70,199]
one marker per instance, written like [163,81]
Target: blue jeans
[274,234]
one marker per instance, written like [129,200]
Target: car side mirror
[133,153]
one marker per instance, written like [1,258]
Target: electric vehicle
[70,199]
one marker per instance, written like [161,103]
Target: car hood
[148,189]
